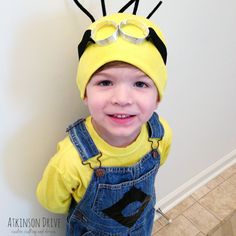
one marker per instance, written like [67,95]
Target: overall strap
[155,127]
[82,140]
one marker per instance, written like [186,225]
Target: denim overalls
[119,201]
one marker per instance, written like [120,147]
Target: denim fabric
[121,201]
[82,141]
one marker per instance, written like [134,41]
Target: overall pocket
[125,202]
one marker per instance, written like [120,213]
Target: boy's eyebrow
[144,76]
[141,74]
[104,73]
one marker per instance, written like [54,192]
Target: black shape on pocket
[133,195]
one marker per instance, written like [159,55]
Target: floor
[204,211]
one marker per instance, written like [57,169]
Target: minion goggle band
[123,29]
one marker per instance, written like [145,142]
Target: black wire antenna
[154,10]
[104,12]
[136,3]
[128,4]
[84,10]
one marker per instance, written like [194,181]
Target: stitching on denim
[129,169]
[90,144]
[129,183]
[155,126]
[82,140]
[85,137]
[77,144]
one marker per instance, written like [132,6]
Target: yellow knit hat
[144,56]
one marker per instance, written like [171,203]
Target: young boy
[104,171]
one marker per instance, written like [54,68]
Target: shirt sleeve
[54,191]
[165,144]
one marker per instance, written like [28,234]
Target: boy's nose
[122,96]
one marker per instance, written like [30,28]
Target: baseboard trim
[185,190]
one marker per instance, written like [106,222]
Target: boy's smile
[121,98]
[121,118]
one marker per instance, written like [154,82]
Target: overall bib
[119,201]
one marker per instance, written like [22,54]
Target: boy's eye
[141,84]
[105,83]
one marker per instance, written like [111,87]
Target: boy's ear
[158,99]
[85,100]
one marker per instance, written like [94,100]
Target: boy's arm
[54,191]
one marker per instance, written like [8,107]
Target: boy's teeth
[121,116]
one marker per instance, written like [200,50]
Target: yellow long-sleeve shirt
[65,176]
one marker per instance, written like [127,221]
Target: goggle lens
[133,31]
[104,31]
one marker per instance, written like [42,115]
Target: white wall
[200,98]
[38,96]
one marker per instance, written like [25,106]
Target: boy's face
[120,98]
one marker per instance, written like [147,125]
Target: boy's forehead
[118,64]
[116,68]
